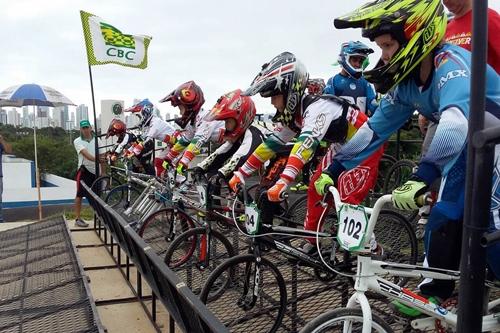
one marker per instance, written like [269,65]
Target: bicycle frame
[367,278]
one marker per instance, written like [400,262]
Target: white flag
[108,45]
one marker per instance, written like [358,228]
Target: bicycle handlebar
[490,238]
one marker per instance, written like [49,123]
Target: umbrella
[36,95]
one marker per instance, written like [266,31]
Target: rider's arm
[371,98]
[317,119]
[388,118]
[453,99]
[207,162]
[182,142]
[243,150]
[330,88]
[206,131]
[267,149]
[118,148]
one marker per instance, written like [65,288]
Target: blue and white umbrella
[32,94]
[36,95]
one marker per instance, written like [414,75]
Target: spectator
[459,30]
[4,147]
[85,148]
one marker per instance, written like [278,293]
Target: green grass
[87,213]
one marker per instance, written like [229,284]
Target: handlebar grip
[425,199]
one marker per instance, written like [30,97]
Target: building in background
[3,116]
[26,119]
[42,117]
[13,118]
[70,124]
[82,112]
[110,109]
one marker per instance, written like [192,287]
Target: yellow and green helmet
[418,26]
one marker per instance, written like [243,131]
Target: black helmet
[286,75]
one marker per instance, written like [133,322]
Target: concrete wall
[20,185]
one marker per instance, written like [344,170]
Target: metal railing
[184,308]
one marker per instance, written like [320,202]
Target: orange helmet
[234,105]
[190,95]
[116,127]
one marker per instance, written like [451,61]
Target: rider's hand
[404,196]
[322,183]
[180,169]
[236,180]
[276,193]
[166,164]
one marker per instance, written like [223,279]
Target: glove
[404,196]
[180,169]
[166,164]
[276,193]
[236,180]
[322,183]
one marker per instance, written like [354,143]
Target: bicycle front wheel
[195,254]
[122,197]
[103,185]
[344,320]
[246,295]
[160,228]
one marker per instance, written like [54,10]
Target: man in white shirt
[85,148]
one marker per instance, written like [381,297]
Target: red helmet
[315,86]
[234,105]
[190,95]
[116,127]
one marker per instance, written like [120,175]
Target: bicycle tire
[157,230]
[398,174]
[234,311]
[385,164]
[185,256]
[333,321]
[298,210]
[104,184]
[116,197]
[397,237]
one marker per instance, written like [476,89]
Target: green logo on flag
[114,37]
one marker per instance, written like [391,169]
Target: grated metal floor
[41,283]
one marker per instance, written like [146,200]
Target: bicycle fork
[204,250]
[247,302]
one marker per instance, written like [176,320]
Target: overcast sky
[219,44]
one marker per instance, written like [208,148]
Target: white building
[13,117]
[3,116]
[82,112]
[42,117]
[26,119]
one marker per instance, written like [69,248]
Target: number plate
[352,227]
[202,194]
[252,216]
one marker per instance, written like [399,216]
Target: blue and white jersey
[358,92]
[445,98]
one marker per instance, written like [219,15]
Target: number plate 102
[352,227]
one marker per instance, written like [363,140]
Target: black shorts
[83,175]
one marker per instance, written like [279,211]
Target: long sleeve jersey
[233,152]
[356,91]
[314,123]
[194,137]
[445,99]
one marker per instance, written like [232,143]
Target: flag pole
[96,144]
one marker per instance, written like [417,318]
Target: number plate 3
[352,227]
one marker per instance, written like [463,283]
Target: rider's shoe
[410,311]
[81,223]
